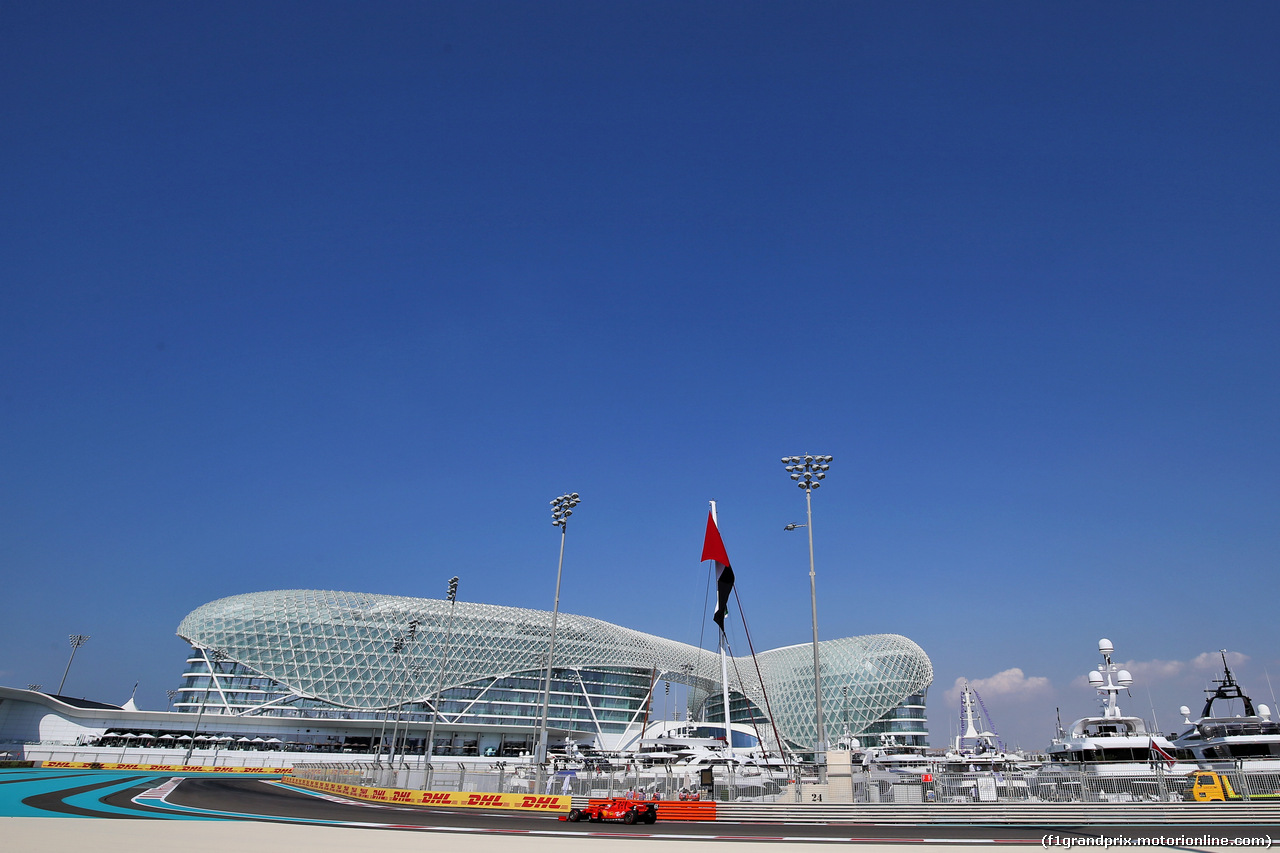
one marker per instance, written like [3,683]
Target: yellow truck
[1210,787]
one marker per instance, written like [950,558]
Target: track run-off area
[127,810]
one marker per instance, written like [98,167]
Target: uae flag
[1161,754]
[713,549]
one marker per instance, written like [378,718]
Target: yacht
[887,755]
[979,748]
[893,757]
[681,754]
[677,744]
[976,766]
[1113,744]
[1222,741]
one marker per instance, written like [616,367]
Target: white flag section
[713,549]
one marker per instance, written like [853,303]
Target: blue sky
[341,295]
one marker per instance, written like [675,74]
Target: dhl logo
[443,798]
[541,803]
[184,768]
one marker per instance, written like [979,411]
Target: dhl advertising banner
[457,799]
[164,768]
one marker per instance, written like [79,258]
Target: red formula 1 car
[619,808]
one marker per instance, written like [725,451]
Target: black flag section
[713,549]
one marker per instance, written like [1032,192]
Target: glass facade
[844,716]
[907,723]
[340,655]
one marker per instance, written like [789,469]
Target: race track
[155,799]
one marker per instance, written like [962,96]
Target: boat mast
[966,719]
[1227,689]
[1109,679]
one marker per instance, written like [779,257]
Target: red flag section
[1158,751]
[713,549]
[713,545]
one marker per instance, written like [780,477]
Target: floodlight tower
[561,509]
[808,471]
[77,640]
[397,646]
[408,638]
[444,660]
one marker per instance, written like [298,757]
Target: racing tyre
[629,817]
[575,815]
[651,817]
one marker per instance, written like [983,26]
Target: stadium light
[808,472]
[444,659]
[397,646]
[77,640]
[561,509]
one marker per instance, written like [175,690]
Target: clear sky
[341,295]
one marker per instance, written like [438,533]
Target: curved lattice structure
[296,651]
[863,679]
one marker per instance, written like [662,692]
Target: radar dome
[1124,678]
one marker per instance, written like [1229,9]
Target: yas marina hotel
[323,673]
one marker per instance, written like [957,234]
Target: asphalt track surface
[163,798]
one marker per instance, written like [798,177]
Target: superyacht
[1223,741]
[979,748]
[1113,744]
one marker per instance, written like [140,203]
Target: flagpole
[724,680]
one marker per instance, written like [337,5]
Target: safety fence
[447,799]
[1045,785]
[203,757]
[499,779]
[1259,813]
[359,781]
[1068,785]
[163,768]
[1048,786]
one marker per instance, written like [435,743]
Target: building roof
[340,647]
